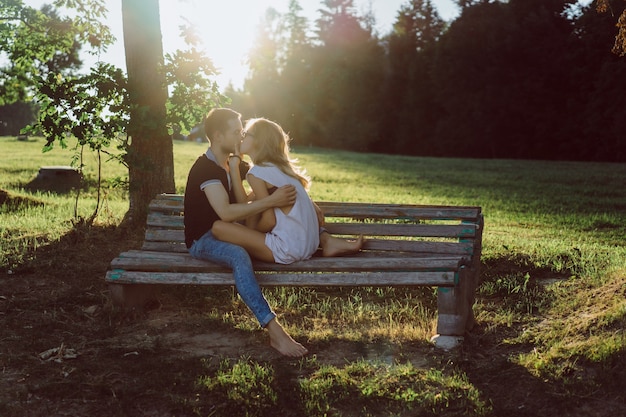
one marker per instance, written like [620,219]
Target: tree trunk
[150,154]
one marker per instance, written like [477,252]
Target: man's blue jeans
[235,257]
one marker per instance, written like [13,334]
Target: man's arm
[218,198]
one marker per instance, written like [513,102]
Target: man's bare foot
[282,342]
[334,246]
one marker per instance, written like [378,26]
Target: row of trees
[521,79]
[516,79]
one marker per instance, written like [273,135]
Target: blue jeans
[235,257]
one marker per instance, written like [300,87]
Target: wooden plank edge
[367,279]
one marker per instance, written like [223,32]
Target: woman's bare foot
[334,246]
[282,342]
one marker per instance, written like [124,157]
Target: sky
[237,20]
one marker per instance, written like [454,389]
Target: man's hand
[283,196]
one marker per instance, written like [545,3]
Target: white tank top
[296,235]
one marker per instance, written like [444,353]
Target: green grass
[554,272]
[383,389]
[247,388]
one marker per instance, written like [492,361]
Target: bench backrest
[397,228]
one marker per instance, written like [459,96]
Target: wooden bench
[406,245]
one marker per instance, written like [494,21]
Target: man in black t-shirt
[209,197]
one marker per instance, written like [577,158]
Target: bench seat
[406,245]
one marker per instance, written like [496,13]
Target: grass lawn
[551,308]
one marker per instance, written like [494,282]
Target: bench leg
[454,308]
[133,296]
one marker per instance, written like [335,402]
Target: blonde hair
[272,147]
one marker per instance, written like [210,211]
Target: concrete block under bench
[406,245]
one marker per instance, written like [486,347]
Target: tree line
[506,79]
[531,79]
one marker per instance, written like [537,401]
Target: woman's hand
[234,165]
[234,161]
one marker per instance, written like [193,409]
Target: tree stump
[57,178]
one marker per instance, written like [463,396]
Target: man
[209,197]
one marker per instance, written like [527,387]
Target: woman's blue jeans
[235,257]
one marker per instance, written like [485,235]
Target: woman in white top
[282,235]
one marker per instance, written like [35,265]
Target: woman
[282,235]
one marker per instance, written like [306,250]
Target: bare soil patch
[66,351]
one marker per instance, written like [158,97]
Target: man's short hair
[217,120]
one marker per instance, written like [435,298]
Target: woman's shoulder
[264,168]
[265,165]
[271,174]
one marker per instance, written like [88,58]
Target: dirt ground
[66,351]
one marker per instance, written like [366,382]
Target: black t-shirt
[199,215]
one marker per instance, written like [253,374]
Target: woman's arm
[234,161]
[241,196]
[267,221]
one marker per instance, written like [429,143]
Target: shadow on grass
[489,359]
[126,361]
[12,203]
[513,288]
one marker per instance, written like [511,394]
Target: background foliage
[524,79]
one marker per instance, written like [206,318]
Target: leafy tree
[279,72]
[296,26]
[409,86]
[467,71]
[149,146]
[35,42]
[346,79]
[294,63]
[502,78]
[263,84]
[464,4]
[189,78]
[602,77]
[102,106]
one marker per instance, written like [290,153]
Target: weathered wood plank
[183,262]
[414,246]
[406,230]
[357,279]
[464,230]
[156,246]
[398,211]
[165,235]
[421,246]
[171,202]
[173,221]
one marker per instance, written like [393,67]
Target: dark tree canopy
[505,79]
